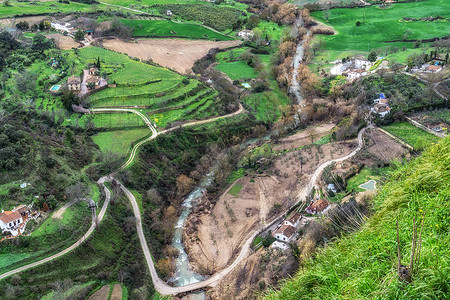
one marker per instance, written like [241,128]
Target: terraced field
[164,96]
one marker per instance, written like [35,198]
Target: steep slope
[363,265]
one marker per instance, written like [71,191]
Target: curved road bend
[165,289]
[95,221]
[101,182]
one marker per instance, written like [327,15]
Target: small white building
[246,34]
[355,74]
[381,106]
[74,83]
[169,13]
[10,220]
[284,233]
[293,220]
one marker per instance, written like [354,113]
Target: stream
[298,58]
[184,274]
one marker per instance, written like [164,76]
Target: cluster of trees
[43,25]
[218,17]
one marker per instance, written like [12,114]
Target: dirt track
[175,54]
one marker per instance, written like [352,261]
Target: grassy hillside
[383,25]
[363,265]
[42,7]
[164,28]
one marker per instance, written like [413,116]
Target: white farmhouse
[246,34]
[293,219]
[285,233]
[10,220]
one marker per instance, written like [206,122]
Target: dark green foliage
[372,56]
[41,43]
[217,17]
[404,93]
[79,35]
[22,25]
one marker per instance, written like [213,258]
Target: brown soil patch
[101,294]
[176,54]
[384,147]
[30,20]
[117,292]
[212,238]
[63,42]
[302,138]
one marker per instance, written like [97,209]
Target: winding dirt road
[95,221]
[160,286]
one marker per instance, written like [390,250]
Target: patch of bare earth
[175,54]
[384,147]
[29,20]
[303,137]
[217,229]
[62,41]
[117,292]
[101,294]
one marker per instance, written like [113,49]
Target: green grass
[237,70]
[72,217]
[11,258]
[266,106]
[118,141]
[272,30]
[365,175]
[235,190]
[412,135]
[383,25]
[236,174]
[42,7]
[165,28]
[362,265]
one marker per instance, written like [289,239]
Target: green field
[272,30]
[237,69]
[382,25]
[73,217]
[119,141]
[266,106]
[164,28]
[235,190]
[43,7]
[365,175]
[412,135]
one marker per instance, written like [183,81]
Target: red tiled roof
[294,217]
[73,80]
[286,230]
[9,216]
[433,68]
[317,206]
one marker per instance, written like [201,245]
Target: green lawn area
[8,259]
[414,136]
[43,7]
[365,175]
[237,70]
[72,217]
[272,30]
[266,106]
[165,28]
[235,190]
[119,141]
[383,25]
